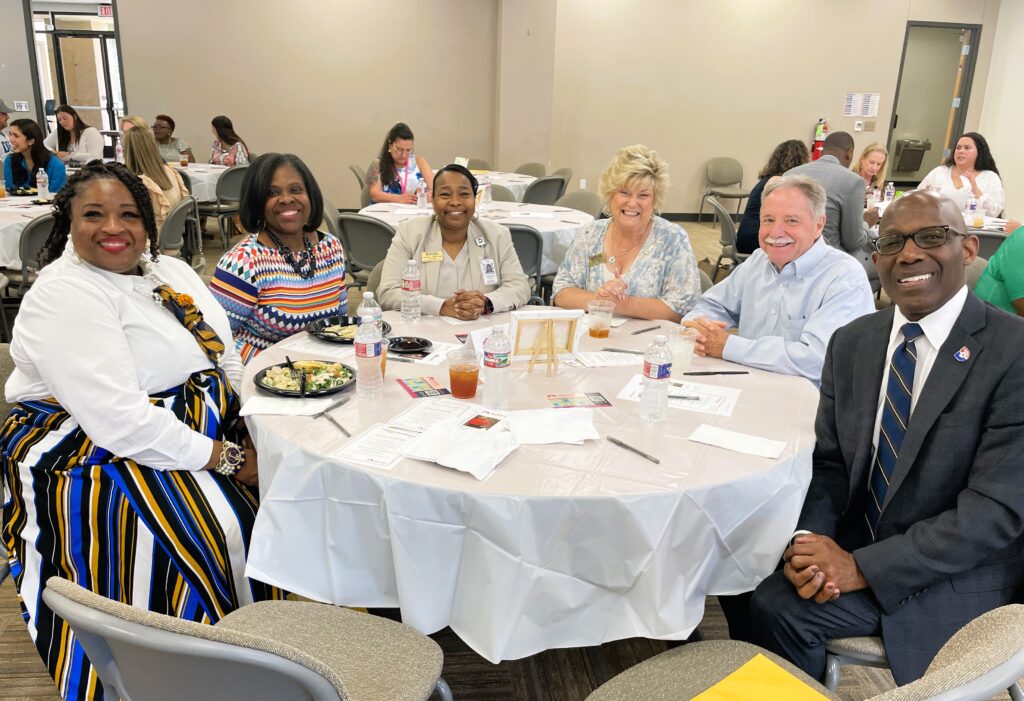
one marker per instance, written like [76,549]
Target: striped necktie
[895,418]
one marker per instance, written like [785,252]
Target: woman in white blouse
[74,140]
[118,449]
[970,171]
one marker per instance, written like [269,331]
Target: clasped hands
[614,289]
[712,338]
[819,569]
[466,305]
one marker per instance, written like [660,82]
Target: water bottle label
[657,371]
[411,285]
[369,350]
[496,360]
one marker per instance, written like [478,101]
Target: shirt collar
[829,159]
[807,261]
[937,325]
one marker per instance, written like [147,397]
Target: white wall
[1004,106]
[15,69]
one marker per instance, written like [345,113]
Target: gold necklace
[614,258]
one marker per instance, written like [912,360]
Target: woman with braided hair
[126,471]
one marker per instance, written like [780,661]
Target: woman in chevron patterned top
[126,471]
[286,274]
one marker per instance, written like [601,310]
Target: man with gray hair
[788,298]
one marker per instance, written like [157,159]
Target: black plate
[310,392]
[316,328]
[49,201]
[409,344]
[23,192]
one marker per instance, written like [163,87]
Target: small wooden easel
[546,342]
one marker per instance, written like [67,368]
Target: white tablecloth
[558,226]
[516,182]
[15,213]
[562,545]
[204,180]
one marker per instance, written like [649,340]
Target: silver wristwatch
[232,457]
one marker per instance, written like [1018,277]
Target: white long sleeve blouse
[100,344]
[88,148]
[992,200]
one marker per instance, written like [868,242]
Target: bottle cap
[410,262]
[367,295]
[661,338]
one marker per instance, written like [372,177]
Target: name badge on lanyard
[490,272]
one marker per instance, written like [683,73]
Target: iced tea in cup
[600,312]
[463,372]
[680,344]
[183,160]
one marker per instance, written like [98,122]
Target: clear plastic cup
[681,341]
[464,372]
[600,312]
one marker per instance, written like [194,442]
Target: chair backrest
[365,239]
[530,248]
[33,237]
[138,654]
[545,190]
[565,173]
[537,170]
[989,242]
[364,197]
[172,233]
[479,164]
[331,219]
[373,282]
[229,184]
[500,193]
[583,201]
[360,175]
[705,281]
[972,273]
[185,178]
[724,171]
[6,368]
[727,235]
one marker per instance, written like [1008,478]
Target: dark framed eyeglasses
[928,237]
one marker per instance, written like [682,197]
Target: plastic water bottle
[369,347]
[972,214]
[411,292]
[890,191]
[497,359]
[657,380]
[119,152]
[421,193]
[370,308]
[485,196]
[43,184]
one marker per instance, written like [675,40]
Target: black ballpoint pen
[639,331]
[631,449]
[718,372]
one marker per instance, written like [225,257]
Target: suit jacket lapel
[869,361]
[431,244]
[946,377]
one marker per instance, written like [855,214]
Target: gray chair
[33,238]
[229,195]
[360,175]
[373,281]
[723,178]
[980,660]
[331,219]
[727,237]
[366,241]
[989,242]
[537,170]
[6,368]
[500,193]
[565,173]
[583,201]
[479,164]
[364,198]
[287,650]
[185,178]
[172,233]
[530,248]
[5,327]
[705,281]
[973,272]
[545,190]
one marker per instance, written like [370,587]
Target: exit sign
[106,10]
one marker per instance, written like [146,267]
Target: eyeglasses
[928,237]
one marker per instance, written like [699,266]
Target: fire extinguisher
[820,133]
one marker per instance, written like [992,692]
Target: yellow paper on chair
[760,679]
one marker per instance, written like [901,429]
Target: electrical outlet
[583,183]
[858,125]
[20,106]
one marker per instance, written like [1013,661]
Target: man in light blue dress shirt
[786,300]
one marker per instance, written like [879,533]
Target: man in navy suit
[913,521]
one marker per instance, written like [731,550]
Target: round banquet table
[204,180]
[562,545]
[15,214]
[558,226]
[515,182]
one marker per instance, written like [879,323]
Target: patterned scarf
[188,314]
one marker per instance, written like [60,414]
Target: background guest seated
[1002,283]
[74,139]
[788,154]
[468,266]
[397,172]
[970,171]
[636,259]
[286,273]
[871,167]
[165,185]
[28,155]
[171,147]
[228,147]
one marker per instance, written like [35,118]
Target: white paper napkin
[739,442]
[473,450]
[285,406]
[539,426]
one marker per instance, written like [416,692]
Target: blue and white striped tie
[895,417]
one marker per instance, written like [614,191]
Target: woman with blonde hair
[871,166]
[130,121]
[165,186]
[636,259]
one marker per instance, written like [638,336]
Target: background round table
[15,214]
[558,226]
[204,180]
[515,182]
[562,545]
